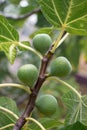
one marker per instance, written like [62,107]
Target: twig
[30,49]
[22,16]
[39,124]
[16,85]
[31,103]
[62,40]
[66,84]
[8,111]
[7,126]
[41,78]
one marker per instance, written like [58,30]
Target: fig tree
[60,67]
[42,43]
[28,74]
[47,104]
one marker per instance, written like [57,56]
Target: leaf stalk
[7,126]
[31,49]
[56,42]
[66,84]
[38,123]
[16,85]
[8,111]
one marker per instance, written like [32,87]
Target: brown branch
[31,103]
[22,16]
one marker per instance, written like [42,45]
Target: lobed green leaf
[76,126]
[8,39]
[77,108]
[5,117]
[70,15]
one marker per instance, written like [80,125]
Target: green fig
[60,67]
[42,43]
[28,74]
[47,104]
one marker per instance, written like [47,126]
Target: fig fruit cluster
[28,74]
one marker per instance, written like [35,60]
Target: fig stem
[16,85]
[30,49]
[31,103]
[7,126]
[56,42]
[66,84]
[41,78]
[61,41]
[38,123]
[8,111]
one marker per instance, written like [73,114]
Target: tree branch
[22,16]
[41,78]
[35,91]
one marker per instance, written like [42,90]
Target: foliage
[48,123]
[66,14]
[9,106]
[75,126]
[76,108]
[66,17]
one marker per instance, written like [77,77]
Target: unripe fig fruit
[47,104]
[60,67]
[28,74]
[42,43]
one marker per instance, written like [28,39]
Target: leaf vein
[47,6]
[76,28]
[79,4]
[7,29]
[6,38]
[76,19]
[56,12]
[69,12]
